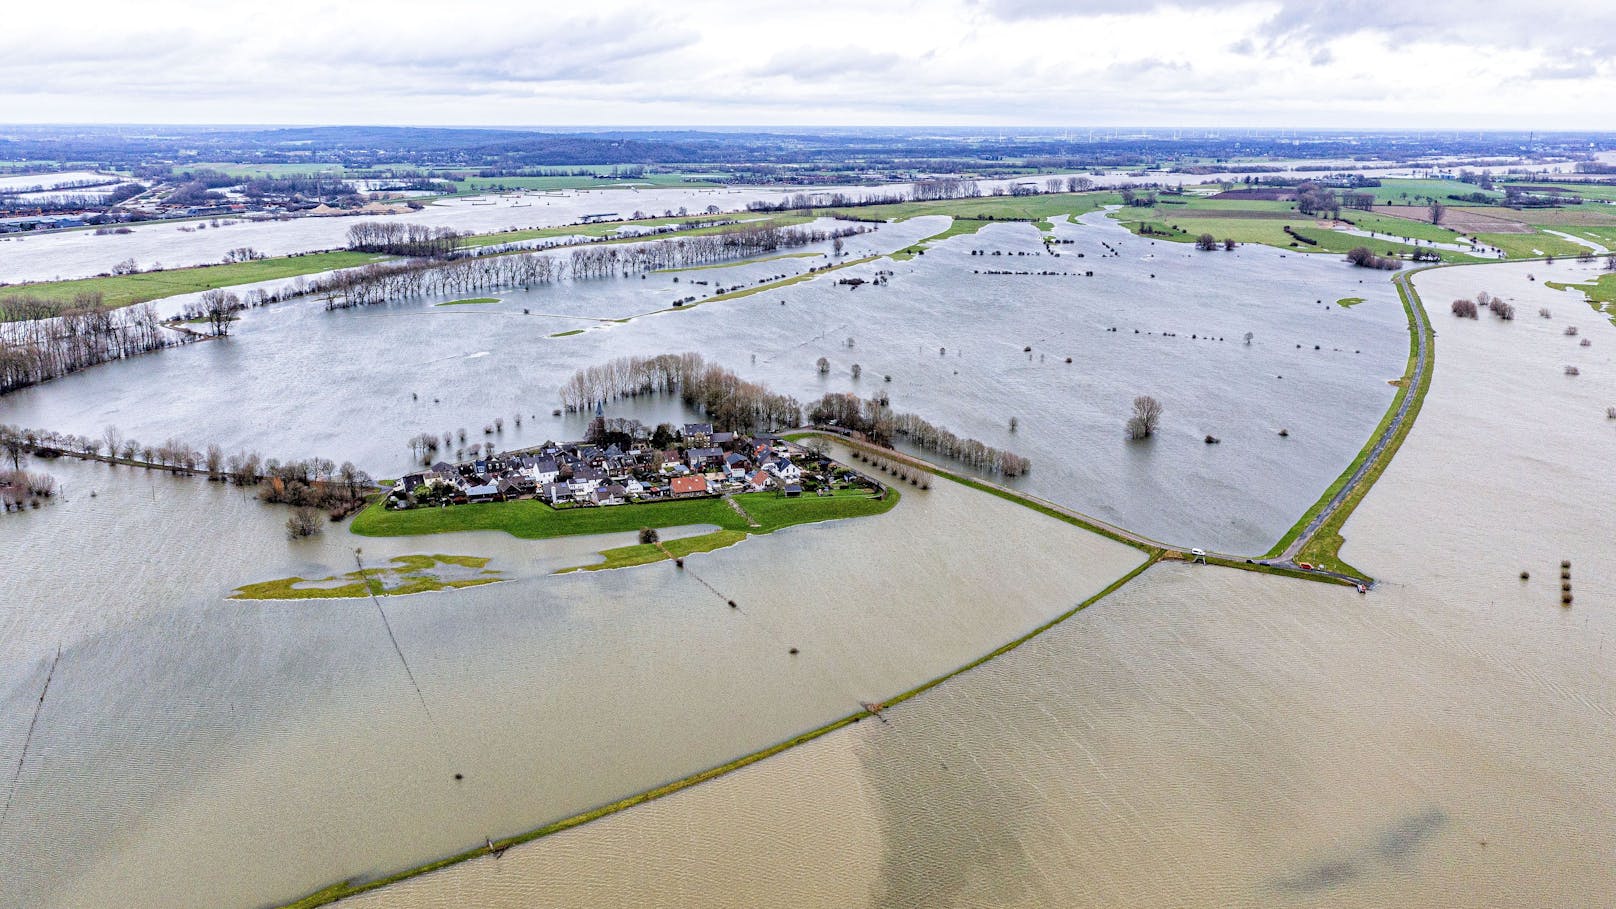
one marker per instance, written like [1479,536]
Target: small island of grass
[473,301]
[1348,302]
[404,575]
[569,333]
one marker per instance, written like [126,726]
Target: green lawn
[1395,191]
[1184,226]
[959,227]
[532,520]
[124,290]
[1526,246]
[403,575]
[646,553]
[1600,293]
[1400,228]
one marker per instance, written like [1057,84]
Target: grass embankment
[1325,547]
[126,290]
[406,574]
[1600,293]
[983,208]
[957,228]
[568,333]
[532,520]
[609,229]
[646,553]
[763,288]
[1348,302]
[795,255]
[474,301]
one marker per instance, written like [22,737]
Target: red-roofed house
[686,486]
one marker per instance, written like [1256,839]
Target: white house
[784,470]
[545,470]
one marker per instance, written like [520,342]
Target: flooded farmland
[297,381]
[1207,737]
[198,751]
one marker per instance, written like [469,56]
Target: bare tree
[1146,417]
[857,370]
[824,365]
[1437,211]
[1206,242]
[304,522]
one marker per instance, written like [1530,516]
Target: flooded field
[1207,737]
[201,752]
[1155,318]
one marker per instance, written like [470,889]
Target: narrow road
[1422,354]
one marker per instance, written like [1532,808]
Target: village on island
[623,462]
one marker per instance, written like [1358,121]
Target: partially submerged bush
[649,535]
[1573,371]
[1571,331]
[1464,309]
[304,522]
[1363,257]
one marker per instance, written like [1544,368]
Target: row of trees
[315,482]
[875,420]
[396,239]
[70,339]
[386,281]
[728,401]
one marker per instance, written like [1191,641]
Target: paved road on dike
[1422,331]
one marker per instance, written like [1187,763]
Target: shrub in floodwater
[1526,575]
[1587,343]
[1464,309]
[1544,312]
[1565,599]
[648,535]
[1571,331]
[1573,371]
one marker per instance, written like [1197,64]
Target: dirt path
[751,521]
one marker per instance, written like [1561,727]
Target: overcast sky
[1469,64]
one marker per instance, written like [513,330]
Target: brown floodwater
[1208,737]
[195,751]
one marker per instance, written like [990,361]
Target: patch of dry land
[1207,737]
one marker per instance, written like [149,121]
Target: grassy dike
[1325,547]
[127,290]
[346,889]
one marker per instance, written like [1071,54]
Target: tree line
[386,281]
[60,340]
[728,401]
[874,419]
[313,482]
[396,239]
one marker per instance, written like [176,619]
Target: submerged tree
[1147,413]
